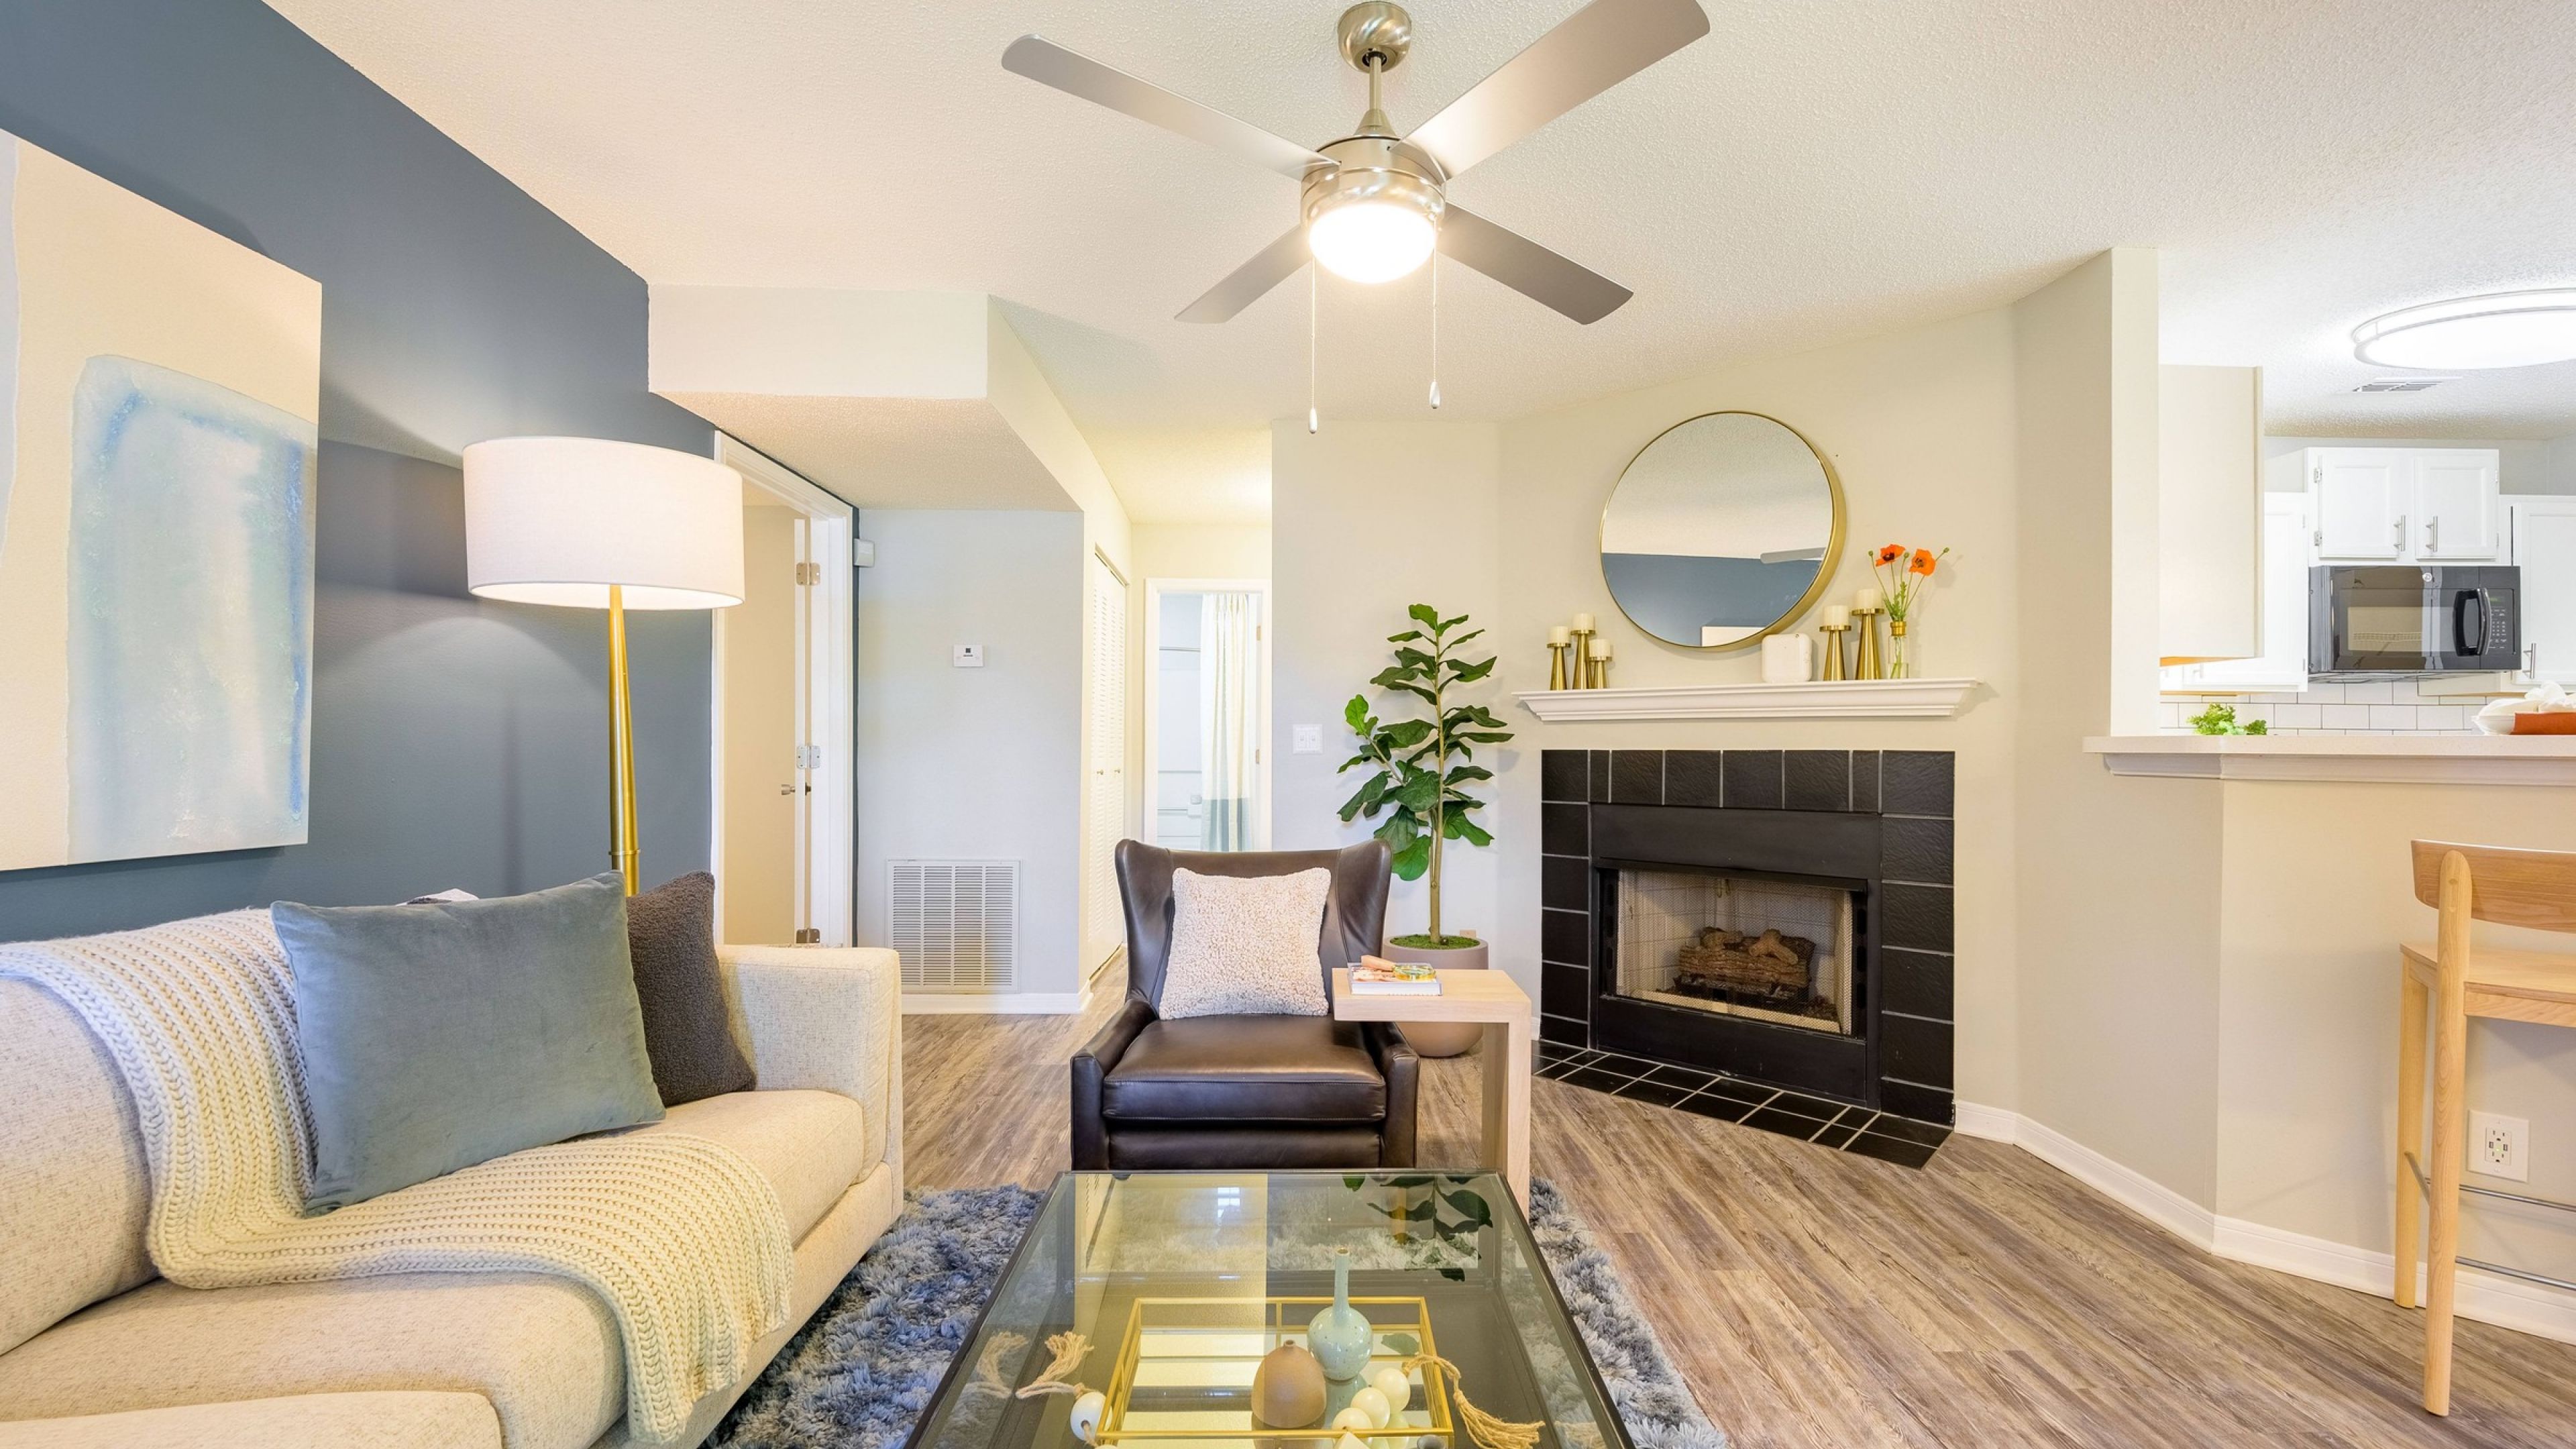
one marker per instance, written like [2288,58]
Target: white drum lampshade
[560,520]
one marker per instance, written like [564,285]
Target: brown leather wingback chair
[1227,1092]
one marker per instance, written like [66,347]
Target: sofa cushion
[436,1037]
[671,933]
[306,1421]
[1246,1069]
[544,1350]
[73,1186]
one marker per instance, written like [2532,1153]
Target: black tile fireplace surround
[1877,823]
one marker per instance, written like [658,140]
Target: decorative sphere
[1288,1388]
[1391,1380]
[1348,1441]
[1374,1404]
[1354,1418]
[1086,1415]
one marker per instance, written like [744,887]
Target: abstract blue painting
[160,389]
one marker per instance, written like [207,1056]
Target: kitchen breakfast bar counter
[2381,759]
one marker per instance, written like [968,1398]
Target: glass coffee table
[1179,1283]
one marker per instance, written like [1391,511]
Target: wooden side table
[1492,999]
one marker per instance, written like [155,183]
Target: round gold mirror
[1723,529]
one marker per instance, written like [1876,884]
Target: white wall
[975,763]
[1366,519]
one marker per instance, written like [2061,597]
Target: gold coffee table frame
[1283,1320]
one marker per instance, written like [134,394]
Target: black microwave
[2410,619]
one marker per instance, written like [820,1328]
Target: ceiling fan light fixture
[2501,329]
[1371,240]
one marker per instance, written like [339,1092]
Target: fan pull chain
[1435,326]
[1314,419]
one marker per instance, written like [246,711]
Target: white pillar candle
[1837,617]
[1600,648]
[1583,623]
[1558,636]
[1866,599]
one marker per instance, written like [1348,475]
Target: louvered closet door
[1105,928]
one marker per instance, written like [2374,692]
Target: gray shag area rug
[864,1368]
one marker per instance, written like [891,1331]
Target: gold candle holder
[1834,649]
[1556,665]
[1582,647]
[1866,665]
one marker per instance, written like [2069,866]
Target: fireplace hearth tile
[1599,1078]
[1566,1030]
[1596,777]
[1922,1134]
[1835,1136]
[1788,1124]
[1915,1049]
[1914,917]
[1751,1094]
[1890,1149]
[1912,1099]
[1647,1089]
[1916,850]
[1548,1071]
[1918,983]
[1565,830]
[1692,777]
[1864,782]
[1752,779]
[1636,777]
[1916,782]
[1724,1109]
[1564,883]
[1564,990]
[1819,780]
[1549,1051]
[1561,775]
[1688,1077]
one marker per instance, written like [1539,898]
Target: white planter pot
[1442,1038]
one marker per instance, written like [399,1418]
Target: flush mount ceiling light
[2502,329]
[1374,205]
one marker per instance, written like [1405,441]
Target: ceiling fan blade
[1048,63]
[1528,268]
[1601,45]
[1269,267]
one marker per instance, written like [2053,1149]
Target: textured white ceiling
[1814,171]
[890,452]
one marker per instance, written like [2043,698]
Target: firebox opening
[1737,945]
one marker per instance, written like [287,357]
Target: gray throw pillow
[439,1036]
[671,932]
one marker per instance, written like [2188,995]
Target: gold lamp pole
[589,523]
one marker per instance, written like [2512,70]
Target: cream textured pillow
[1245,945]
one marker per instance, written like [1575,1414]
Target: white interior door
[2360,495]
[2544,545]
[1106,812]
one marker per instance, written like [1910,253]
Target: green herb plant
[2220,719]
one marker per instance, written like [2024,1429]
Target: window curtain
[1228,719]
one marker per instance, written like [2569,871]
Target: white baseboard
[998,1003]
[2532,1308]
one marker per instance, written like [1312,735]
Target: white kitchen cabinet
[2543,545]
[2404,505]
[2282,667]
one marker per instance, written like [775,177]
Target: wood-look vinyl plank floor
[1823,1300]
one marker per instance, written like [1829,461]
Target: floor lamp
[591,524]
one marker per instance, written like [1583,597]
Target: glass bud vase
[1340,1336]
[1896,668]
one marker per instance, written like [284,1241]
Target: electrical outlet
[2500,1146]
[1306,740]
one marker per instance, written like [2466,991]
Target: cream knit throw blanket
[681,1237]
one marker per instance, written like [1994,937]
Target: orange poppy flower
[1890,553]
[1923,562]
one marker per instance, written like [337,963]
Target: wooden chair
[2444,984]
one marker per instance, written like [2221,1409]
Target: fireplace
[1780,916]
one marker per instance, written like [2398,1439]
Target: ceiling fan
[1373,204]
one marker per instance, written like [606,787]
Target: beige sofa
[97,1352]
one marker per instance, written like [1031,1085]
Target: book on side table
[1377,976]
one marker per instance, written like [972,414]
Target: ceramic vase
[1441,1038]
[1339,1337]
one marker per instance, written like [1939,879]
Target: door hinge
[2318,538]
[809,757]
[2319,476]
[809,573]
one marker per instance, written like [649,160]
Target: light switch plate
[2500,1146]
[1306,740]
[966,656]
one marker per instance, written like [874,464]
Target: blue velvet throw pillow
[441,1035]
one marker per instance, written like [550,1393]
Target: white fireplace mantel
[1813,699]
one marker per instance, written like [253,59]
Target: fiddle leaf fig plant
[1413,781]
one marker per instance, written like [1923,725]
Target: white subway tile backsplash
[2347,716]
[2369,691]
[2402,691]
[2324,691]
[2299,716]
[2395,718]
[2446,718]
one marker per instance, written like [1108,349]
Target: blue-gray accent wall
[455,742]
